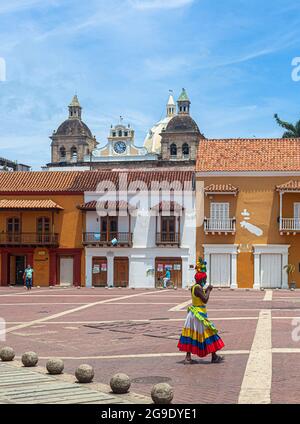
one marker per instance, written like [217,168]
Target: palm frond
[297,126]
[289,134]
[286,125]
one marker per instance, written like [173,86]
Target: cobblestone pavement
[20,385]
[136,332]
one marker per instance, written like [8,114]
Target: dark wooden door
[13,227]
[20,268]
[109,228]
[43,229]
[121,272]
[99,272]
[175,266]
[168,225]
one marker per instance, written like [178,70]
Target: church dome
[74,127]
[182,123]
[152,141]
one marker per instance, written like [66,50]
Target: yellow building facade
[251,211]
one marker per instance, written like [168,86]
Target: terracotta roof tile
[80,181]
[115,205]
[249,155]
[289,186]
[221,188]
[168,206]
[28,204]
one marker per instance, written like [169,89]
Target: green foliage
[293,131]
[290,268]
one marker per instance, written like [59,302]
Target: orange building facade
[40,225]
[250,223]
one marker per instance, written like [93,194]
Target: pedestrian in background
[167,278]
[28,274]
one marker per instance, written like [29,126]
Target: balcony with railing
[29,239]
[170,239]
[289,225]
[220,226]
[108,239]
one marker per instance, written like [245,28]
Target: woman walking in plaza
[199,336]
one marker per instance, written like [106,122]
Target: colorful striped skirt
[199,336]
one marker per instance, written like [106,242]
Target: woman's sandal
[217,360]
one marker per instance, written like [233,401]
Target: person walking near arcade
[199,335]
[28,274]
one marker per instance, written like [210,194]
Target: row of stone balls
[161,393]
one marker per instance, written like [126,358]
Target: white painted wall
[144,250]
[92,225]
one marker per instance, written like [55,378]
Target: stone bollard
[55,366]
[84,373]
[120,383]
[7,354]
[30,359]
[162,393]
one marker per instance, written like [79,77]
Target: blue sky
[122,56]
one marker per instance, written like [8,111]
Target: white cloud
[159,4]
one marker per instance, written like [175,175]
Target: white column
[280,220]
[139,277]
[110,269]
[207,260]
[256,285]
[185,272]
[88,268]
[285,259]
[234,271]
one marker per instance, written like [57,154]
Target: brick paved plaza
[136,332]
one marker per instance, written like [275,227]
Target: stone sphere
[162,393]
[55,366]
[30,359]
[120,383]
[7,354]
[84,373]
